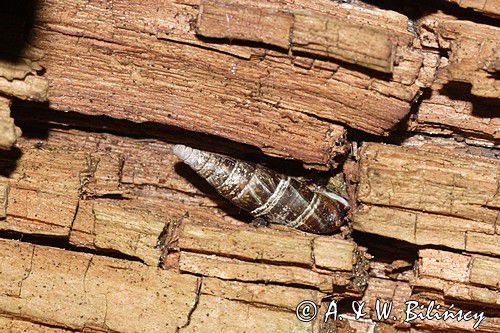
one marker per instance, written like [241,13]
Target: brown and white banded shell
[267,194]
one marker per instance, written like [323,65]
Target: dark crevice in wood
[16,20]
[416,9]
[62,243]
[39,119]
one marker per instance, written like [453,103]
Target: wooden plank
[240,307]
[178,75]
[44,183]
[137,227]
[234,21]
[44,190]
[233,269]
[302,32]
[278,297]
[343,40]
[215,313]
[68,291]
[129,229]
[248,244]
[269,246]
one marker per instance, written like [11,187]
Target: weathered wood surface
[48,178]
[20,80]
[54,286]
[473,51]
[133,227]
[75,291]
[472,279]
[244,254]
[16,325]
[265,98]
[115,235]
[488,7]
[80,291]
[443,115]
[302,32]
[469,282]
[466,280]
[429,197]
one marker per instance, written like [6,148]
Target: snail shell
[267,194]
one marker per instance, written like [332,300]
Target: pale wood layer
[15,325]
[246,254]
[469,282]
[77,290]
[460,279]
[301,32]
[444,115]
[53,187]
[488,7]
[473,52]
[425,196]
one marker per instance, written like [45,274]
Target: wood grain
[473,52]
[443,115]
[488,7]
[427,197]
[264,98]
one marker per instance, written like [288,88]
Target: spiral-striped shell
[267,194]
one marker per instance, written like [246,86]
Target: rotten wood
[91,167]
[268,99]
[246,254]
[97,293]
[47,180]
[77,290]
[488,7]
[425,196]
[473,52]
[464,280]
[12,324]
[108,232]
[443,115]
[301,32]
[469,282]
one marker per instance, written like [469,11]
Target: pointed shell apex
[182,152]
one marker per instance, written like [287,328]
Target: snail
[266,194]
